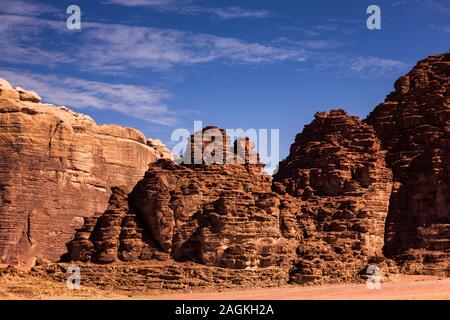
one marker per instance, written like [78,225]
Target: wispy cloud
[190,8]
[374,66]
[360,66]
[319,29]
[128,49]
[399,3]
[119,48]
[445,29]
[135,101]
[26,8]
[311,44]
[438,6]
[228,13]
[137,47]
[345,27]
[21,41]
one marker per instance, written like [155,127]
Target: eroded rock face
[336,166]
[115,235]
[232,216]
[414,125]
[223,215]
[57,167]
[347,188]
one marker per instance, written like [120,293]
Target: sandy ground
[409,288]
[398,288]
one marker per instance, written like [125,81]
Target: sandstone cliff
[56,167]
[350,193]
[336,166]
[414,126]
[223,215]
[232,216]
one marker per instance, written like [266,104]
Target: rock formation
[336,166]
[350,193]
[414,126]
[56,167]
[218,214]
[323,225]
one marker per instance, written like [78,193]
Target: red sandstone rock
[56,167]
[232,216]
[321,220]
[336,166]
[414,126]
[223,215]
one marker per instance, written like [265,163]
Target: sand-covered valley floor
[398,287]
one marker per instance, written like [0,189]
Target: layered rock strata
[231,215]
[217,214]
[414,125]
[336,167]
[57,167]
[349,194]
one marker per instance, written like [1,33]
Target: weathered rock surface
[336,166]
[115,235]
[223,215]
[414,125]
[350,193]
[232,216]
[56,167]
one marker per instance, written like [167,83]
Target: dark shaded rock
[336,166]
[414,126]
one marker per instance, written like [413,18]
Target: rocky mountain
[57,167]
[232,216]
[336,166]
[351,193]
[223,215]
[414,126]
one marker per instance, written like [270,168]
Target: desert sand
[14,287]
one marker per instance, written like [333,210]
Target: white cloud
[373,66]
[360,66]
[345,27]
[141,3]
[311,44]
[398,3]
[231,12]
[187,7]
[135,101]
[20,41]
[120,48]
[438,6]
[25,8]
[445,29]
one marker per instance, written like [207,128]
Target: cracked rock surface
[57,167]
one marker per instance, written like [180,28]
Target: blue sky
[157,65]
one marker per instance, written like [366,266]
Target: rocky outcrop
[57,167]
[116,235]
[336,166]
[217,214]
[350,193]
[230,214]
[414,126]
